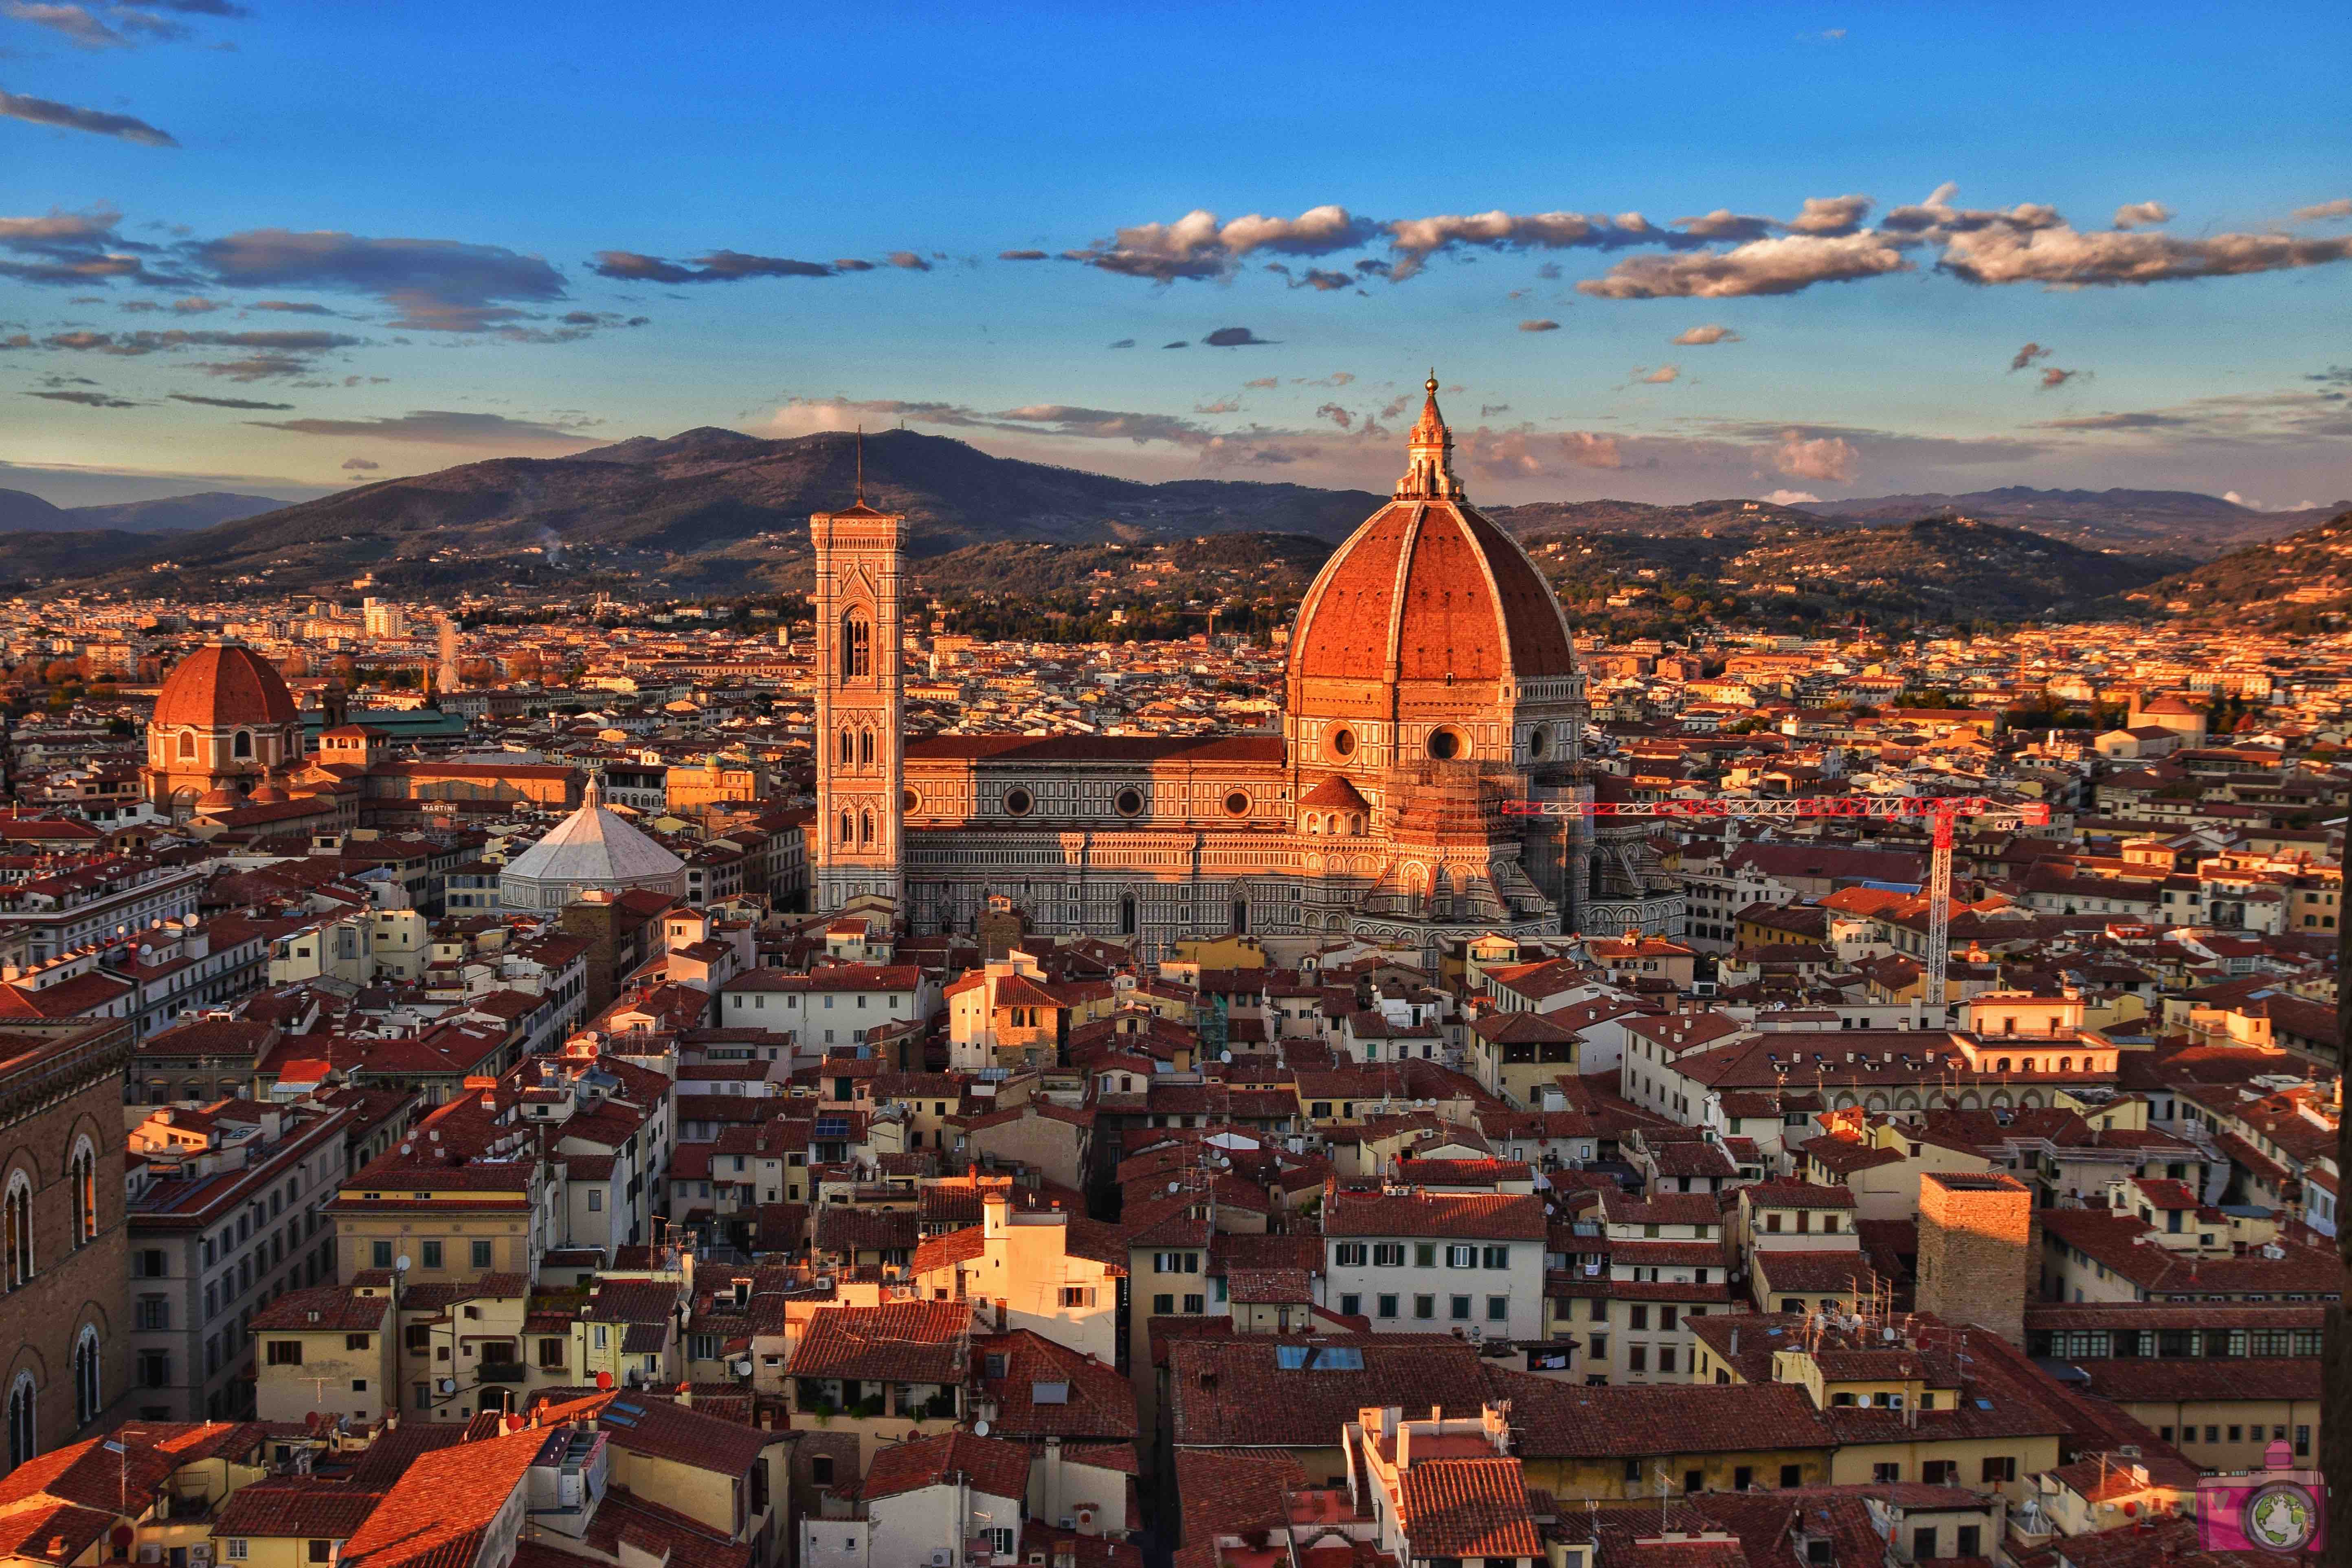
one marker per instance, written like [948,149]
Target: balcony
[500,1371]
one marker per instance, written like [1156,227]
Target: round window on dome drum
[1237,804]
[1341,741]
[908,801]
[1538,742]
[1447,744]
[1130,801]
[1019,802]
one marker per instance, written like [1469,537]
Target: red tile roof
[1467,1507]
[899,1341]
[991,1465]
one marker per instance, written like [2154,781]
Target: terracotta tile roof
[2132,1380]
[1232,1493]
[1561,1421]
[1483,1216]
[322,1308]
[84,1475]
[899,1341]
[305,1507]
[840,1228]
[436,1515]
[1234,1391]
[388,1459]
[1097,1402]
[991,1465]
[1467,1507]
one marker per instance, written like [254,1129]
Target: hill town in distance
[1372,1063]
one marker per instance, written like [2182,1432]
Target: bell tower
[857,845]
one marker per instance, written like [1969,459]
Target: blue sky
[284,247]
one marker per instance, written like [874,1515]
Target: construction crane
[1942,813]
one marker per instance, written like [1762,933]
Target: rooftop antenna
[861,464]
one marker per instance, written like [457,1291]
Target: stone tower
[1975,1249]
[855,845]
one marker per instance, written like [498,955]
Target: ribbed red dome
[221,685]
[1434,589]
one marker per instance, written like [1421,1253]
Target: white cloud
[1817,458]
[1780,266]
[1790,498]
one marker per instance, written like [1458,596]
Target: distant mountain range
[2185,522]
[714,511]
[706,511]
[21,511]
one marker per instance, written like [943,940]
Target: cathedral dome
[222,686]
[592,848]
[1427,589]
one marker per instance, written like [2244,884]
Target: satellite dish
[980,1429]
[400,1263]
[448,1385]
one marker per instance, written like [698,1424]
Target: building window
[856,646]
[380,1253]
[19,1207]
[1386,1306]
[86,1400]
[1458,1307]
[1425,1307]
[432,1254]
[283,1353]
[481,1255]
[1499,1309]
[83,1171]
[20,1421]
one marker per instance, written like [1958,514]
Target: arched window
[21,1431]
[1355,823]
[1241,917]
[1593,878]
[2066,1064]
[866,828]
[187,745]
[846,744]
[81,1172]
[86,1404]
[243,747]
[1126,915]
[20,1226]
[856,645]
[848,830]
[864,748]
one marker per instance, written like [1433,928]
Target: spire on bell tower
[1429,455]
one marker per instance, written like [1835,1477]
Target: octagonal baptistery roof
[224,685]
[1427,589]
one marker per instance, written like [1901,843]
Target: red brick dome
[1432,589]
[223,686]
[1429,589]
